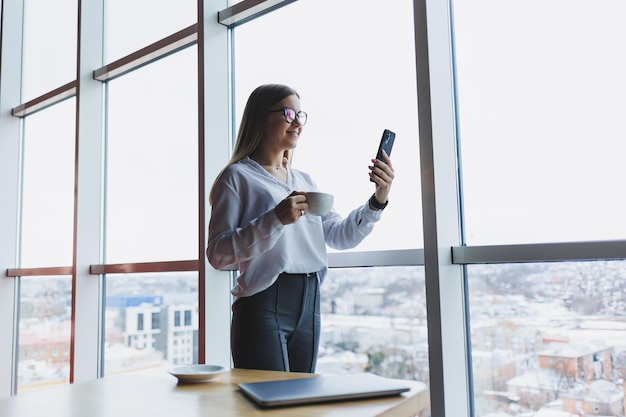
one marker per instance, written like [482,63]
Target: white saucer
[197,373]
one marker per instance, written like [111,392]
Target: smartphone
[386,144]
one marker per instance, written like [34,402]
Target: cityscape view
[547,339]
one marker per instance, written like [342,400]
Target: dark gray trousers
[278,329]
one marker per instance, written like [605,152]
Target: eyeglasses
[291,115]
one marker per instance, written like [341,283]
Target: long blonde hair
[253,123]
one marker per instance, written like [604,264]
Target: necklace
[271,167]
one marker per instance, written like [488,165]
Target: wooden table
[156,393]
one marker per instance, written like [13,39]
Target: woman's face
[280,135]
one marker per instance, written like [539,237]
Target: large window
[354,81]
[540,88]
[49,56]
[548,336]
[152,163]
[374,320]
[143,321]
[48,187]
[540,132]
[152,214]
[46,240]
[132,25]
[44,332]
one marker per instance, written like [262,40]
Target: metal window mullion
[46,100]
[87,300]
[396,257]
[540,252]
[151,53]
[248,10]
[445,288]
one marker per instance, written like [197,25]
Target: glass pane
[49,60]
[132,25]
[374,320]
[541,119]
[548,337]
[354,80]
[48,186]
[152,200]
[141,325]
[44,331]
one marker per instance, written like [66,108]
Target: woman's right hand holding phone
[382,174]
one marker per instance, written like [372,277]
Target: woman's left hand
[382,174]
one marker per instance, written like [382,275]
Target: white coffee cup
[319,203]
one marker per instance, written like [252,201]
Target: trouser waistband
[306,274]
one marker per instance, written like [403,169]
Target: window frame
[443,256]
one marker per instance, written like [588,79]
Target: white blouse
[246,234]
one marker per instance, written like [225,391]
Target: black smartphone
[386,144]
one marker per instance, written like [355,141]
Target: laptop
[322,389]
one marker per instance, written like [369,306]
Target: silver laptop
[322,389]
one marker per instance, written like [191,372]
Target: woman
[260,225]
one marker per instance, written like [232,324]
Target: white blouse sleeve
[349,232]
[232,238]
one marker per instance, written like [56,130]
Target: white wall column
[213,47]
[10,154]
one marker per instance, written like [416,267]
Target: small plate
[197,373]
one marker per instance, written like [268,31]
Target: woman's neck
[274,166]
[269,162]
